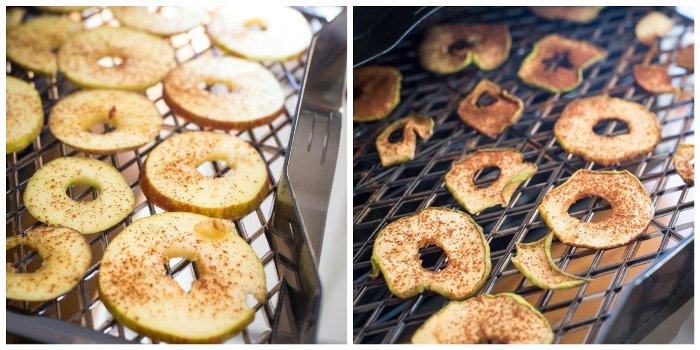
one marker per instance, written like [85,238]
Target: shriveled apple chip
[504,318]
[631,207]
[448,48]
[652,26]
[653,78]
[397,142]
[490,109]
[686,57]
[395,254]
[556,63]
[513,171]
[682,160]
[534,261]
[376,92]
[574,129]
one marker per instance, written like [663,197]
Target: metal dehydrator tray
[577,315]
[82,306]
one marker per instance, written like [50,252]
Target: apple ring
[24,116]
[65,260]
[395,254]
[139,17]
[135,290]
[632,209]
[574,130]
[514,170]
[32,44]
[146,59]
[261,33]
[171,181]
[47,201]
[504,318]
[253,97]
[135,118]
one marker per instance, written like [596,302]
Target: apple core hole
[611,127]
[110,61]
[485,99]
[486,176]
[24,259]
[217,89]
[255,25]
[183,271]
[82,192]
[430,255]
[582,205]
[213,168]
[396,136]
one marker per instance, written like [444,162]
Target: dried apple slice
[396,144]
[135,119]
[180,19]
[171,181]
[652,26]
[47,201]
[33,44]
[504,318]
[682,160]
[24,116]
[134,288]
[376,92]
[145,59]
[556,63]
[490,109]
[395,254]
[448,48]
[534,261]
[653,78]
[631,207]
[574,130]
[578,14]
[65,259]
[686,57]
[513,171]
[14,17]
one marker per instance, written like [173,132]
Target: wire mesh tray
[82,306]
[382,195]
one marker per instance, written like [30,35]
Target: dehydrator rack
[83,317]
[382,195]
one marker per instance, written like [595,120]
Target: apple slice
[134,288]
[171,181]
[504,318]
[145,59]
[65,258]
[139,17]
[260,33]
[33,44]
[513,171]
[240,94]
[534,261]
[24,115]
[47,201]
[395,254]
[135,119]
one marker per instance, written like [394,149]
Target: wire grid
[382,195]
[82,305]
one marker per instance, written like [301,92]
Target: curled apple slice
[534,260]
